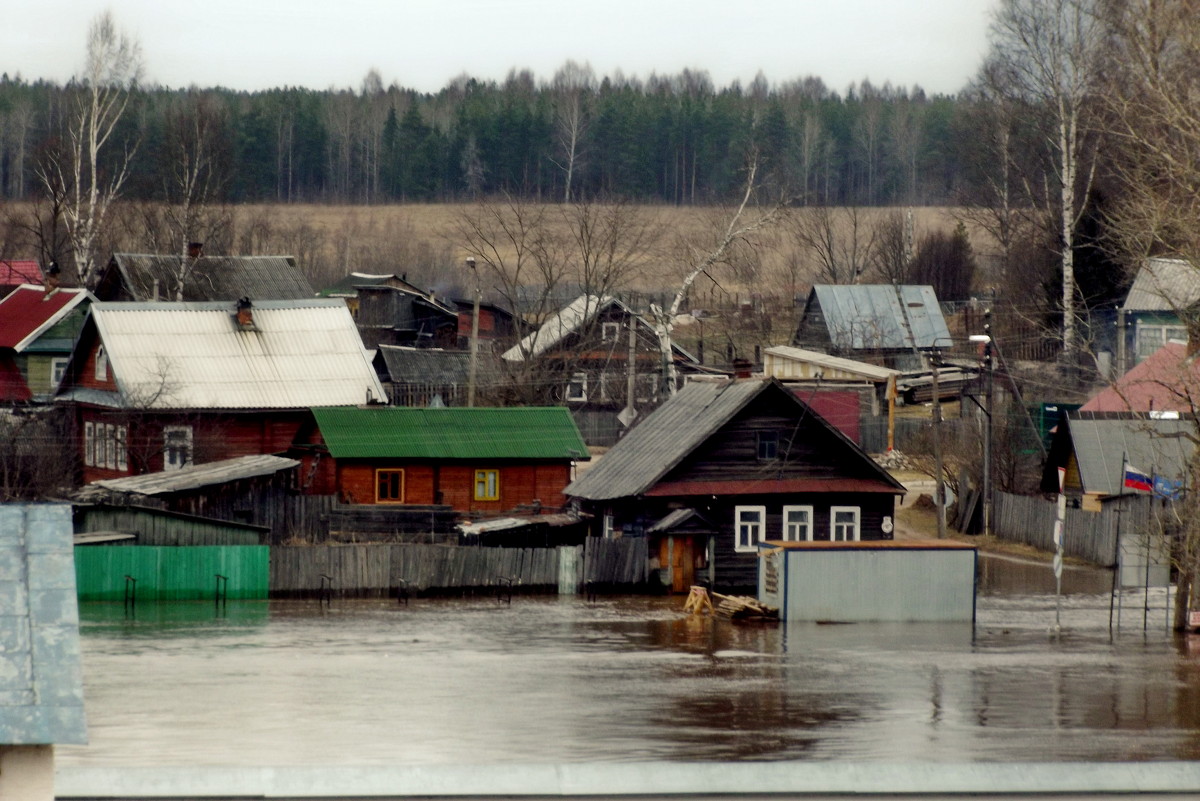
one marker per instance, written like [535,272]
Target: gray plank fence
[1091,536]
[378,569]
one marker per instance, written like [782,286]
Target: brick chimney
[245,314]
[195,250]
[741,368]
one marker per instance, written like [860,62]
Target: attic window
[101,372]
[610,331]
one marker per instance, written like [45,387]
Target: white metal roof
[299,353]
[838,367]
[551,332]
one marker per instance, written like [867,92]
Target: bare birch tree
[111,71]
[572,87]
[1046,52]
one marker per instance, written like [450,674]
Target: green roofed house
[478,461]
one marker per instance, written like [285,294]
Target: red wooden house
[478,461]
[158,386]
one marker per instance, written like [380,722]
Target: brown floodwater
[560,679]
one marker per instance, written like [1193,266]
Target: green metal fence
[172,573]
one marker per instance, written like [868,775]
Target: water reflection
[559,680]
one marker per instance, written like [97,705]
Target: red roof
[29,308]
[1167,381]
[766,486]
[12,383]
[20,272]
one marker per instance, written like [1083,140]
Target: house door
[678,553]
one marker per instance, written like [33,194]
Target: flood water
[548,680]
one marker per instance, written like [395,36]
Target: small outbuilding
[869,581]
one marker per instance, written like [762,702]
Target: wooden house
[722,466]
[152,277]
[496,325]
[478,461]
[877,323]
[1094,449]
[432,376]
[158,386]
[389,315]
[584,357]
[38,326]
[1164,292]
[347,288]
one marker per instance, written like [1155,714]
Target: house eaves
[1164,285]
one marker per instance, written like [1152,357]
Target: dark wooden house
[722,466]
[477,461]
[432,376]
[389,315]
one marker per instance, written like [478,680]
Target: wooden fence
[1087,535]
[379,569]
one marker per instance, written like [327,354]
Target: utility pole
[987,442]
[939,500]
[474,357]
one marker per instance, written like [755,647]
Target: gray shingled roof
[1160,447]
[41,679]
[194,476]
[434,367]
[1164,285]
[215,277]
[870,316]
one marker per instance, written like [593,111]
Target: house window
[577,388]
[58,368]
[768,445]
[646,387]
[487,485]
[607,525]
[843,523]
[389,486]
[104,446]
[101,372]
[177,447]
[610,331]
[749,524]
[1152,337]
[797,523]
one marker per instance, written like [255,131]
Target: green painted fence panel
[172,573]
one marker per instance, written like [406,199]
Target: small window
[58,368]
[577,388]
[749,524]
[610,331]
[768,445]
[843,523]
[797,523]
[487,485]
[177,447]
[89,444]
[101,372]
[389,486]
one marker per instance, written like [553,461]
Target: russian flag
[1137,479]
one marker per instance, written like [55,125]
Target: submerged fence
[1086,535]
[165,573]
[370,569]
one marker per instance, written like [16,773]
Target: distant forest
[673,139]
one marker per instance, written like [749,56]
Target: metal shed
[853,582]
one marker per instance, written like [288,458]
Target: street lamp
[986,339]
[474,357]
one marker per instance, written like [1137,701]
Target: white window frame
[58,369]
[607,526]
[856,530]
[101,371]
[796,532]
[169,448]
[577,388]
[610,331]
[89,444]
[748,534]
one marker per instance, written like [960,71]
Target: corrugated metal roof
[870,316]
[301,353]
[196,476]
[1164,285]
[446,433]
[29,311]
[1161,447]
[672,431]
[214,277]
[435,366]
[1167,380]
[834,363]
[42,698]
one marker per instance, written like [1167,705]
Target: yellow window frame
[487,485]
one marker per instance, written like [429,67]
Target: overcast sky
[423,44]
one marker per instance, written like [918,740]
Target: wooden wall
[454,484]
